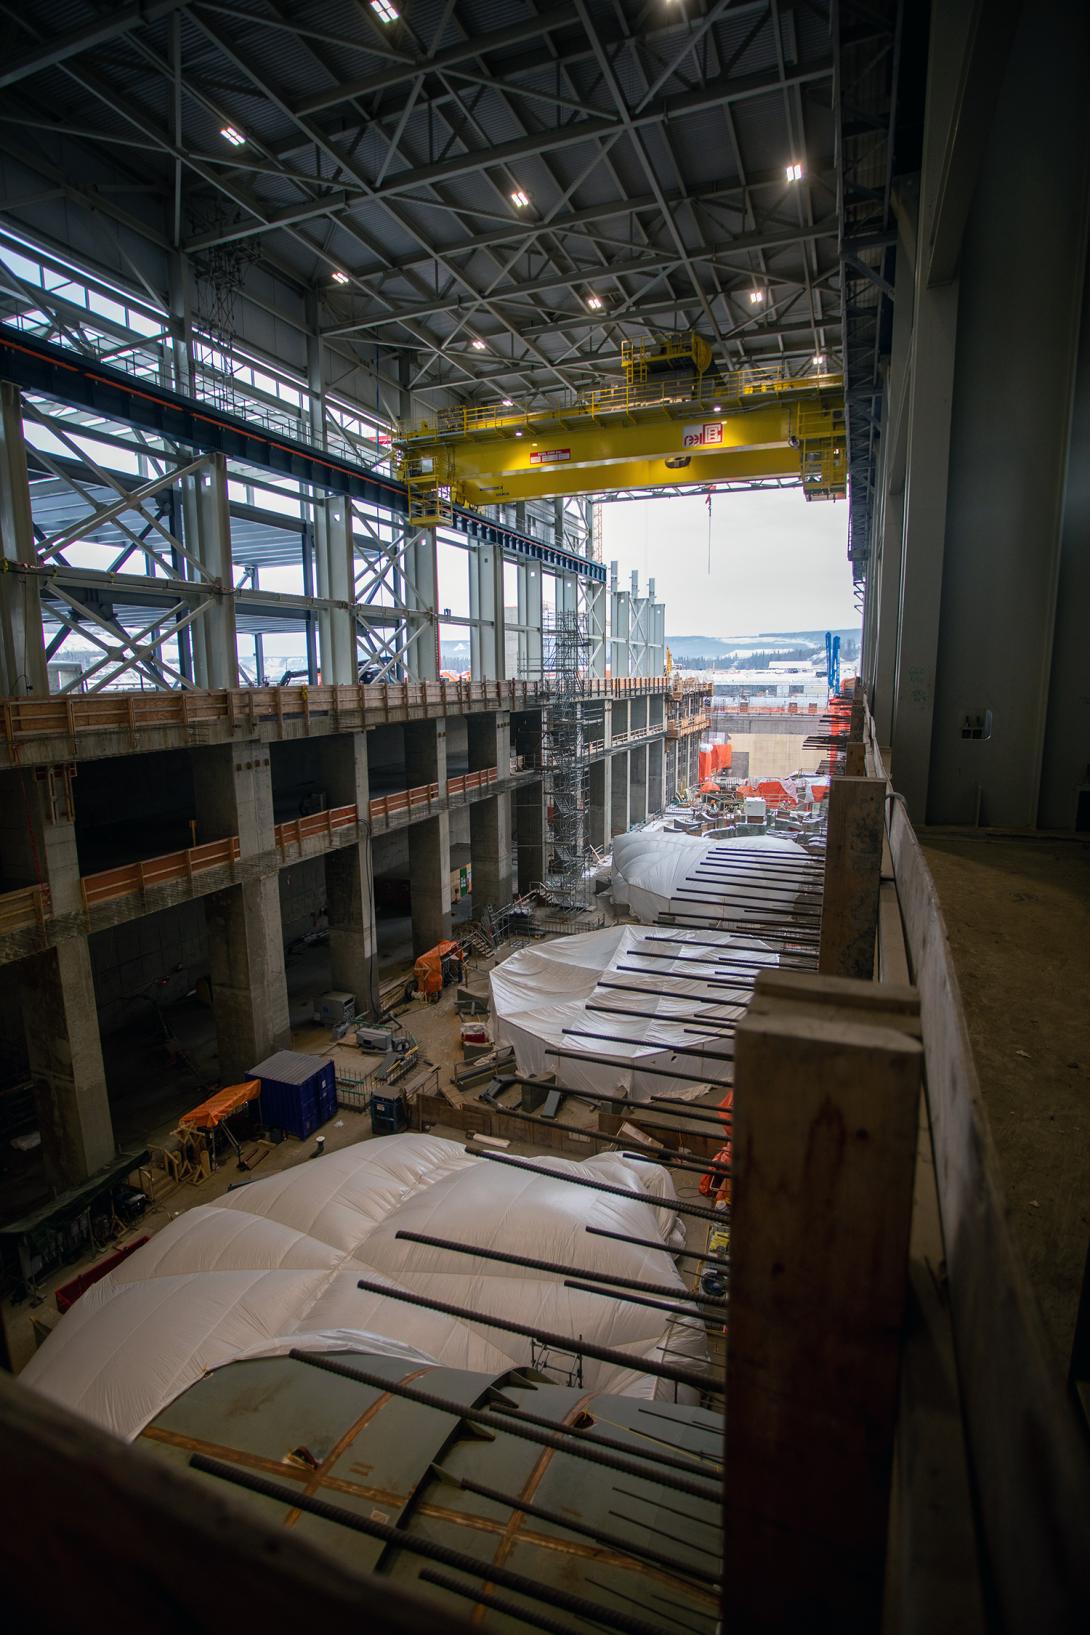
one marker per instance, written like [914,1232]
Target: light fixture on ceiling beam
[340,277]
[595,303]
[384,11]
[819,360]
[478,345]
[519,199]
[508,403]
[756,297]
[793,171]
[232,134]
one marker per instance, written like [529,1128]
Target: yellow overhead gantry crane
[669,424]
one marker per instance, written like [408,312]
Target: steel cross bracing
[390,156]
[567,648]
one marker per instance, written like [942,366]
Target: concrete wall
[162,955]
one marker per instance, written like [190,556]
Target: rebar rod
[577,1346]
[498,1603]
[649,1044]
[589,1057]
[682,1109]
[591,1447]
[506,1259]
[674,1204]
[612,1541]
[667,1308]
[649,1243]
[688,1164]
[713,1024]
[431,1549]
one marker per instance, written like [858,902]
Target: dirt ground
[1018,914]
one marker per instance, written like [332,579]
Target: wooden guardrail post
[853,869]
[826,1100]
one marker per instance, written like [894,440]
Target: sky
[777,563]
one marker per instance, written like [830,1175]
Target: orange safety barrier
[157,871]
[221,1105]
[384,808]
[31,905]
[296,830]
[467,782]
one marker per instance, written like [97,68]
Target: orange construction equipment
[714,758]
[221,1105]
[436,968]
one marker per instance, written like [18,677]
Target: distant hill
[767,641]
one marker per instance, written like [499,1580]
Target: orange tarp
[428,969]
[222,1105]
[716,758]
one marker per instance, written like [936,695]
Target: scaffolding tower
[564,758]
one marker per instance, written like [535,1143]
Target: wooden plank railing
[468,782]
[133,878]
[30,905]
[326,824]
[405,804]
[73,716]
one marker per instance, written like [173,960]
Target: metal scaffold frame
[564,757]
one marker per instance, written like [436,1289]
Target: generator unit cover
[559,996]
[276,1265]
[651,868]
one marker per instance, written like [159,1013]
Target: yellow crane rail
[640,434]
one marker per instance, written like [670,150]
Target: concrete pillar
[637,775]
[489,737]
[22,648]
[233,792]
[64,1052]
[429,871]
[597,825]
[655,779]
[350,896]
[530,835]
[618,804]
[422,597]
[208,538]
[487,638]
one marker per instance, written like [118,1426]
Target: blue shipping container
[298,1092]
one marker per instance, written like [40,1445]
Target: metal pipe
[649,1243]
[505,1259]
[674,1204]
[592,1448]
[712,1023]
[668,1309]
[431,1549]
[612,1541]
[502,1405]
[578,1347]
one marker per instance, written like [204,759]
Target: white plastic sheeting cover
[544,990]
[275,1266]
[651,867]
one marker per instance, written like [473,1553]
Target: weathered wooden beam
[97,1529]
[827,1088]
[853,870]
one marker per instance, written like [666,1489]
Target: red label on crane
[708,435]
[550,456]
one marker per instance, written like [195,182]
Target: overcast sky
[777,563]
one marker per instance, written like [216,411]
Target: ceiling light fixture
[478,346]
[520,199]
[384,11]
[794,172]
[819,359]
[340,278]
[518,434]
[595,303]
[717,408]
[756,297]
[508,403]
[231,134]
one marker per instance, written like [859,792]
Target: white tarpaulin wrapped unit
[542,992]
[275,1266]
[650,868]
